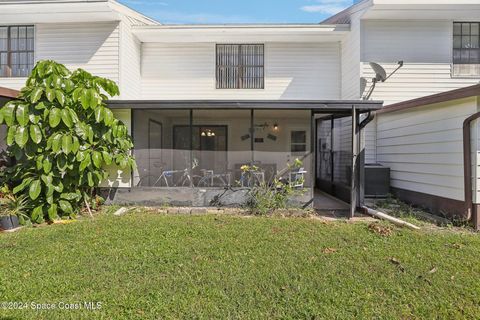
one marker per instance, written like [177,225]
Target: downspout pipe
[367,120]
[357,179]
[370,117]
[470,211]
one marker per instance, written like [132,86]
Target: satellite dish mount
[380,76]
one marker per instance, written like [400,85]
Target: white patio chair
[297,178]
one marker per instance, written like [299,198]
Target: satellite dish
[380,76]
[380,73]
[363,85]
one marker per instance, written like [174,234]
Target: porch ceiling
[318,106]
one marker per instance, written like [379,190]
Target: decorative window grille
[466,49]
[240,66]
[16,50]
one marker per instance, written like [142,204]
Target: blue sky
[238,11]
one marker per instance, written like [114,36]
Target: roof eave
[316,105]
[241,33]
[8,93]
[125,10]
[471,91]
[343,17]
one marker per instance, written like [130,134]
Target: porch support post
[313,152]
[353,183]
[252,135]
[190,126]
[332,158]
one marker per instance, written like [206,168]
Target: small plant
[297,163]
[248,177]
[263,198]
[12,205]
[13,209]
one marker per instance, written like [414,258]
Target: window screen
[298,141]
[16,51]
[240,66]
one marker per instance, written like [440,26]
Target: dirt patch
[381,230]
[329,250]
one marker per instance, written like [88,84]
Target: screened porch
[222,149]
[212,152]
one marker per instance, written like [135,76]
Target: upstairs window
[466,49]
[240,66]
[16,51]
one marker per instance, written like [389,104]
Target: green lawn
[152,266]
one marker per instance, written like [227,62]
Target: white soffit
[241,33]
[424,10]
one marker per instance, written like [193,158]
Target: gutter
[472,211]
[8,93]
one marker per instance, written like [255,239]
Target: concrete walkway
[328,206]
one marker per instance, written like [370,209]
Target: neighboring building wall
[292,71]
[93,47]
[423,146]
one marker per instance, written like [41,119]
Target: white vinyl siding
[426,49]
[130,54]
[415,80]
[351,72]
[428,41]
[350,57]
[93,47]
[292,71]
[423,147]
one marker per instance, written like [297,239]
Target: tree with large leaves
[61,136]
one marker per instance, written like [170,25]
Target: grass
[152,266]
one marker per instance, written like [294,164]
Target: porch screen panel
[221,146]
[324,147]
[342,151]
[240,66]
[282,146]
[162,148]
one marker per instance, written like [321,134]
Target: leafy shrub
[263,198]
[61,136]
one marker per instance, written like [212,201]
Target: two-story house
[202,101]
